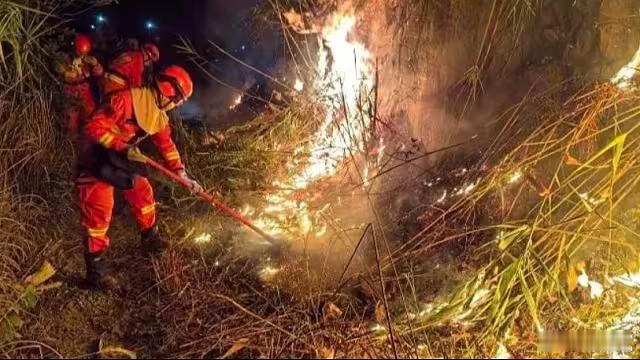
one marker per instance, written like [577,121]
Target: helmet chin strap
[179,96]
[179,93]
[148,61]
[164,103]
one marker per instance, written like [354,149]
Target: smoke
[426,69]
[229,24]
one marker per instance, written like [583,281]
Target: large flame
[345,77]
[343,83]
[624,77]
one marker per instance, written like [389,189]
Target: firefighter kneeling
[109,159]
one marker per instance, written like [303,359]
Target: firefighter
[128,70]
[76,73]
[108,160]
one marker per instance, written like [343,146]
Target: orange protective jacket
[80,102]
[125,72]
[115,127]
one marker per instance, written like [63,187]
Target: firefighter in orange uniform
[127,70]
[108,160]
[76,74]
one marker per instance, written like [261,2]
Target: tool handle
[204,195]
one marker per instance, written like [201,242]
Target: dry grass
[29,148]
[569,205]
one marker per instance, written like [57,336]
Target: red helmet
[151,51]
[175,83]
[83,44]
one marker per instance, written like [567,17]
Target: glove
[134,154]
[194,186]
[90,60]
[77,62]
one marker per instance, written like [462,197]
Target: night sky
[226,22]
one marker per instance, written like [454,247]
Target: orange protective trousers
[96,205]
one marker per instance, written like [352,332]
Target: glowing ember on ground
[624,78]
[377,328]
[583,279]
[202,238]
[596,289]
[268,272]
[515,177]
[631,320]
[630,280]
[299,85]
[236,102]
[589,199]
[467,189]
[502,352]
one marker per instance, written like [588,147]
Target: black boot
[98,277]
[152,242]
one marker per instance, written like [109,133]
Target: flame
[344,80]
[624,78]
[348,75]
[202,238]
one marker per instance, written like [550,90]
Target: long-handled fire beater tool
[204,195]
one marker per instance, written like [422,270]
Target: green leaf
[507,279]
[533,308]
[617,153]
[7,331]
[9,326]
[29,297]
[14,320]
[506,238]
[617,144]
[504,286]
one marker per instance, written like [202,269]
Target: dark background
[229,23]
